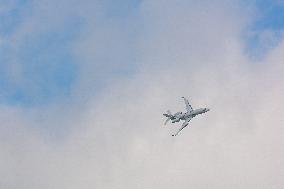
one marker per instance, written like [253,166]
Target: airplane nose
[207,109]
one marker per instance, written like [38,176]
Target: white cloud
[118,140]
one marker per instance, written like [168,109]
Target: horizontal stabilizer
[167,121]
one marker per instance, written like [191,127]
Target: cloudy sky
[83,85]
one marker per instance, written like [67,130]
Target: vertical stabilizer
[168,115]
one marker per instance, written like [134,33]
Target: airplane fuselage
[183,116]
[187,116]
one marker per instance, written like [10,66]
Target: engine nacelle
[175,120]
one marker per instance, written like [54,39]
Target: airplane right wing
[183,126]
[187,105]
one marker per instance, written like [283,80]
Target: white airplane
[187,116]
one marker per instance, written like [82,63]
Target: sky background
[84,84]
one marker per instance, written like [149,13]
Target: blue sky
[46,65]
[271,15]
[42,59]
[266,30]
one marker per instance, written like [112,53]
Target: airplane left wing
[185,123]
[187,105]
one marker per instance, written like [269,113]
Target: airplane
[187,116]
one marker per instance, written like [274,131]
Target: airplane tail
[168,115]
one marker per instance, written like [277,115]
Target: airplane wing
[187,105]
[183,126]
